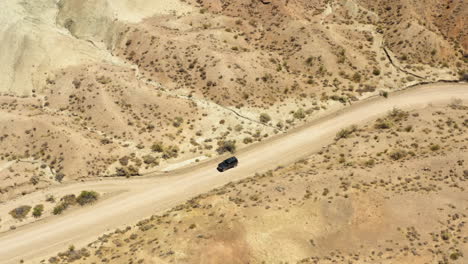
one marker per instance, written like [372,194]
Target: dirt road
[140,198]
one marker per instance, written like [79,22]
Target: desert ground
[378,194]
[103,103]
[123,88]
[130,200]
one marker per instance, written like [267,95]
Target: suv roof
[231,160]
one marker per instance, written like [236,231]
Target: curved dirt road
[143,197]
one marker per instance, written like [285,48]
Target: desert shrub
[59,177]
[238,128]
[76,83]
[398,154]
[124,160]
[463,76]
[383,124]
[356,77]
[325,192]
[445,235]
[170,152]
[37,210]
[103,79]
[341,99]
[370,163]
[20,212]
[376,72]
[65,202]
[59,208]
[148,159]
[456,255]
[178,121]
[267,77]
[226,146]
[434,147]
[247,140]
[73,254]
[157,147]
[120,171]
[69,199]
[127,171]
[50,198]
[106,141]
[309,61]
[265,118]
[299,114]
[87,197]
[34,180]
[384,94]
[345,132]
[397,115]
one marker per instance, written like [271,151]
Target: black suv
[227,164]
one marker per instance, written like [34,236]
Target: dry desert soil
[349,119]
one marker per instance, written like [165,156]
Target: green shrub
[434,147]
[247,140]
[37,210]
[456,255]
[370,163]
[299,114]
[345,132]
[20,212]
[87,197]
[59,208]
[265,118]
[65,202]
[376,72]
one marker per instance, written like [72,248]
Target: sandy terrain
[156,195]
[105,95]
[354,201]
